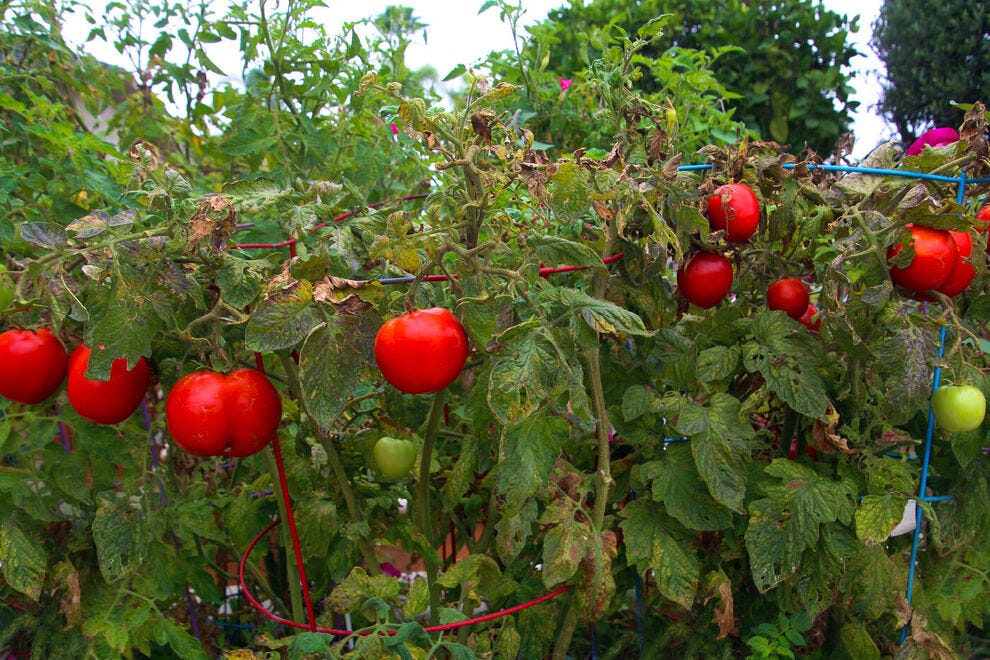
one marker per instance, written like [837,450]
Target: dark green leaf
[651,546]
[524,375]
[603,316]
[282,322]
[43,234]
[569,194]
[677,484]
[530,450]
[24,560]
[336,352]
[238,284]
[121,536]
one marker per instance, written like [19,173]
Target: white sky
[458,34]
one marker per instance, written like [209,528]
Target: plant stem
[424,513]
[365,545]
[566,632]
[295,586]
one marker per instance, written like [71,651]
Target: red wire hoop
[344,633]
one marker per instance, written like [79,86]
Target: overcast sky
[458,34]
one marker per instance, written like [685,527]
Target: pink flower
[565,83]
[395,129]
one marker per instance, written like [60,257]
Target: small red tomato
[789,295]
[32,365]
[811,319]
[705,278]
[422,350]
[734,209]
[105,401]
[212,414]
[963,273]
[984,216]
[935,255]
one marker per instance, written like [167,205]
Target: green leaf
[529,452]
[179,639]
[564,546]
[569,198]
[596,586]
[651,546]
[718,444]
[675,483]
[557,251]
[857,643]
[909,354]
[43,234]
[462,475]
[786,522]
[334,353]
[718,363]
[636,402]
[239,286]
[603,316]
[456,72]
[417,598]
[877,515]
[524,375]
[121,535]
[787,362]
[123,329]
[24,560]
[515,528]
[283,321]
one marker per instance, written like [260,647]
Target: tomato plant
[789,295]
[935,256]
[32,365]
[105,401]
[705,278]
[959,408]
[394,457]
[734,208]
[422,350]
[214,414]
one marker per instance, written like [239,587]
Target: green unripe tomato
[394,457]
[959,408]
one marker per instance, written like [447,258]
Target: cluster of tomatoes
[235,414]
[705,277]
[940,262]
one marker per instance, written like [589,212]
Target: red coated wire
[344,633]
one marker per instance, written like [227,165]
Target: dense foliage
[935,53]
[784,66]
[724,479]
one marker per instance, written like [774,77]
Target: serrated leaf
[564,546]
[515,529]
[718,444]
[417,598]
[558,251]
[675,483]
[120,537]
[24,560]
[181,641]
[636,402]
[334,353]
[569,198]
[877,515]
[123,329]
[529,452]
[650,546]
[787,521]
[90,225]
[462,475]
[43,234]
[603,316]
[282,321]
[858,643]
[718,363]
[909,354]
[238,285]
[525,373]
[788,365]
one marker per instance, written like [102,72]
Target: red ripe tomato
[789,295]
[705,278]
[422,350]
[935,255]
[963,273]
[212,414]
[32,365]
[106,401]
[735,209]
[984,216]
[811,319]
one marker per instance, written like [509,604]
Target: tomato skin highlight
[959,408]
[32,365]
[705,278]
[788,295]
[213,414]
[110,401]
[735,209]
[421,351]
[935,255]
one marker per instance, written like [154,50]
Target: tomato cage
[912,522]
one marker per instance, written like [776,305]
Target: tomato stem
[295,587]
[424,514]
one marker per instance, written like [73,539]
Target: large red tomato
[789,295]
[705,278]
[106,401]
[735,209]
[935,255]
[963,272]
[422,350]
[212,414]
[32,365]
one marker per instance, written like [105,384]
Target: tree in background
[787,67]
[935,53]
